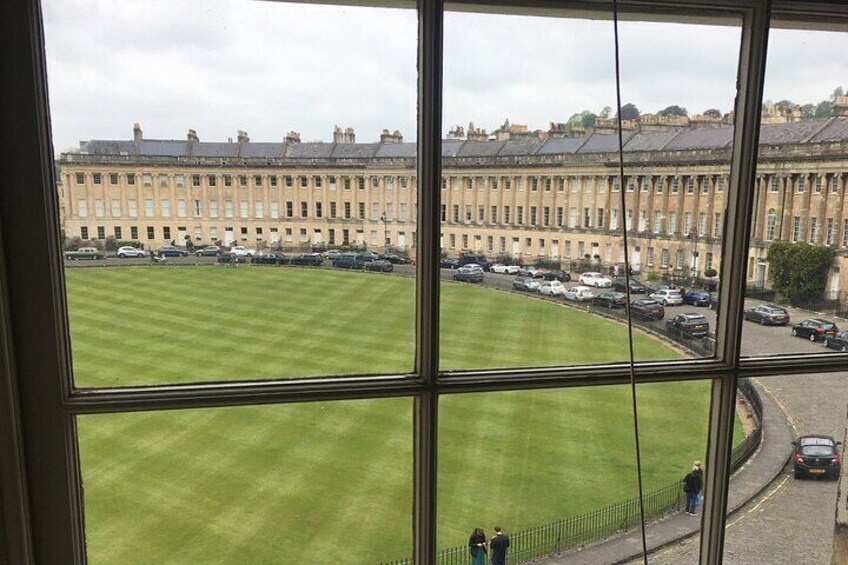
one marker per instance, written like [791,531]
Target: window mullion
[752,62]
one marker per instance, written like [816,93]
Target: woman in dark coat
[477,547]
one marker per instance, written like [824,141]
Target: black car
[767,314]
[690,325]
[228,258]
[270,259]
[610,299]
[469,274]
[816,456]
[815,329]
[475,260]
[380,265]
[449,263]
[648,309]
[310,259]
[560,276]
[208,251]
[838,342]
[369,256]
[395,259]
[636,287]
[349,261]
[697,298]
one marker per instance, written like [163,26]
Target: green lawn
[331,482]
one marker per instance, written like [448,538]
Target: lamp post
[385,221]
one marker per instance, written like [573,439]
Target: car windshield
[817,450]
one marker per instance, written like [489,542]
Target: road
[792,521]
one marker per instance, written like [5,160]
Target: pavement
[748,482]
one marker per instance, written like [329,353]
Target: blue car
[171,251]
[697,298]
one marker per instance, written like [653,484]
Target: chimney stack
[192,136]
[293,137]
[349,136]
[840,106]
[242,136]
[389,137]
[137,135]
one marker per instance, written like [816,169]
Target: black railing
[578,531]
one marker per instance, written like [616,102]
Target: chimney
[349,136]
[840,106]
[242,136]
[338,135]
[293,137]
[388,137]
[137,136]
[192,136]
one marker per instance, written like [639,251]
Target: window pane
[549,466]
[269,484]
[796,283]
[541,210]
[202,318]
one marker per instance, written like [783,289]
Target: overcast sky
[218,66]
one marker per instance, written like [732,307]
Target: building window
[534,184]
[213,233]
[80,177]
[801,185]
[131,179]
[197,209]
[493,215]
[660,186]
[672,223]
[814,224]
[150,232]
[84,232]
[771,221]
[228,208]
[464,241]
[181,208]
[119,233]
[211,180]
[82,208]
[521,215]
[287,181]
[796,228]
[257,180]
[259,209]
[675,185]
[195,180]
[646,184]
[213,208]
[319,210]
[587,217]
[275,210]
[132,206]
[845,233]
[774,184]
[717,225]
[664,259]
[228,180]
[243,181]
[113,178]
[304,209]
[680,259]
[650,258]
[532,215]
[272,180]
[99,208]
[631,184]
[690,185]
[147,179]
[559,216]
[702,224]
[600,223]
[643,220]
[96,178]
[163,180]
[347,210]
[289,209]
[657,221]
[507,213]
[828,238]
[116,208]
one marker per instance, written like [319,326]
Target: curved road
[792,521]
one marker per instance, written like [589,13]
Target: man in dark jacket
[692,484]
[499,545]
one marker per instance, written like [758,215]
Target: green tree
[674,110]
[630,112]
[799,271]
[712,113]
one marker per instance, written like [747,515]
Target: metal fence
[577,531]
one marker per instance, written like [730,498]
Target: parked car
[208,251]
[560,276]
[816,456]
[648,309]
[552,288]
[449,263]
[396,259]
[526,284]
[469,273]
[84,253]
[697,298]
[611,299]
[838,342]
[270,259]
[349,261]
[767,314]
[636,287]
[309,259]
[380,265]
[228,257]
[241,251]
[595,279]
[530,272]
[332,254]
[668,297]
[369,256]
[475,260]
[579,294]
[127,251]
[171,251]
[504,269]
[690,325]
[815,329]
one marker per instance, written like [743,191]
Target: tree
[824,109]
[713,113]
[606,112]
[799,271]
[587,119]
[785,104]
[630,112]
[808,111]
[673,111]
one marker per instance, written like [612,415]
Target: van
[349,261]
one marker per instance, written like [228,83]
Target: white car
[504,269]
[240,251]
[127,251]
[595,279]
[579,293]
[668,297]
[552,288]
[530,272]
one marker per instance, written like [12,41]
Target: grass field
[331,482]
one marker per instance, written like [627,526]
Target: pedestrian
[692,484]
[700,498]
[477,547]
[499,545]
[615,270]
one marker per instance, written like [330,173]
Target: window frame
[42,505]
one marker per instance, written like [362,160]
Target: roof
[806,131]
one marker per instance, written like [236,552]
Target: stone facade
[526,194]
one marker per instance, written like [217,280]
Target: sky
[219,66]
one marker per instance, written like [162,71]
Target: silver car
[668,297]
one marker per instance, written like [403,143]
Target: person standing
[696,468]
[499,545]
[477,547]
[692,484]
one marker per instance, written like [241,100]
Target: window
[131,179]
[243,181]
[197,209]
[465,241]
[150,232]
[99,209]
[643,220]
[771,220]
[559,216]
[631,184]
[532,215]
[844,233]
[796,229]
[347,211]
[520,215]
[717,227]
[116,208]
[801,184]
[101,232]
[96,178]
[493,215]
[664,259]
[774,183]
[507,212]
[705,186]
[113,178]
[257,180]
[213,208]
[195,180]
[455,215]
[675,185]
[228,180]
[181,208]
[613,219]
[212,180]
[657,221]
[534,184]
[660,186]
[228,208]
[133,232]
[132,208]
[650,258]
[646,184]
[672,223]
[287,181]
[587,217]
[259,209]
[163,180]
[304,209]
[213,233]
[166,232]
[702,224]
[814,222]
[690,185]
[82,208]
[84,232]
[148,208]
[680,259]
[319,210]
[275,210]
[600,222]
[289,209]
[147,179]
[390,183]
[346,183]
[828,238]
[80,177]
[360,181]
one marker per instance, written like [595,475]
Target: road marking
[777,488]
[793,421]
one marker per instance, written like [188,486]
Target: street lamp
[385,221]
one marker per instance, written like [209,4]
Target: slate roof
[807,131]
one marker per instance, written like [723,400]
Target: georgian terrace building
[551,194]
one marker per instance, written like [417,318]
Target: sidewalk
[747,483]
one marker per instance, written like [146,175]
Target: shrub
[799,271]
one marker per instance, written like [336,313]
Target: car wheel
[794,332]
[665,302]
[844,349]
[762,321]
[827,343]
[812,337]
[121,256]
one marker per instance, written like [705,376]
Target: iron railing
[583,529]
